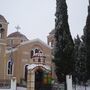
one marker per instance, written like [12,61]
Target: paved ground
[82,88]
[21,88]
[77,88]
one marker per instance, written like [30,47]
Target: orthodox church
[30,61]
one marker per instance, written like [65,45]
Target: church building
[30,61]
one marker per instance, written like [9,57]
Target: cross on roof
[18,27]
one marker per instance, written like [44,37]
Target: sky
[36,18]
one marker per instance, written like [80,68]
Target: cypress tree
[76,55]
[64,44]
[80,61]
[87,42]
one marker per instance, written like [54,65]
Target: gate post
[69,82]
[31,80]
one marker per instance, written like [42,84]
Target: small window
[32,53]
[10,67]
[39,60]
[0,25]
[52,43]
[11,42]
[1,33]
[26,72]
[21,40]
[36,50]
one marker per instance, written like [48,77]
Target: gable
[36,42]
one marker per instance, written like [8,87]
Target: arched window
[1,33]
[26,72]
[32,52]
[36,50]
[10,67]
[11,41]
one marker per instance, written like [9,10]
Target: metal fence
[57,86]
[5,84]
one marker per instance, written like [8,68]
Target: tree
[64,44]
[87,42]
[80,61]
[76,71]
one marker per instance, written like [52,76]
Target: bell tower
[51,38]
[3,36]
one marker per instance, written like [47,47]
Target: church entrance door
[39,79]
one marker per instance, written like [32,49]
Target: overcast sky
[37,17]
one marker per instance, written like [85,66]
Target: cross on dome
[18,28]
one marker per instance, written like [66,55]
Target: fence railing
[5,84]
[57,86]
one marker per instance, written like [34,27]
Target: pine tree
[64,44]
